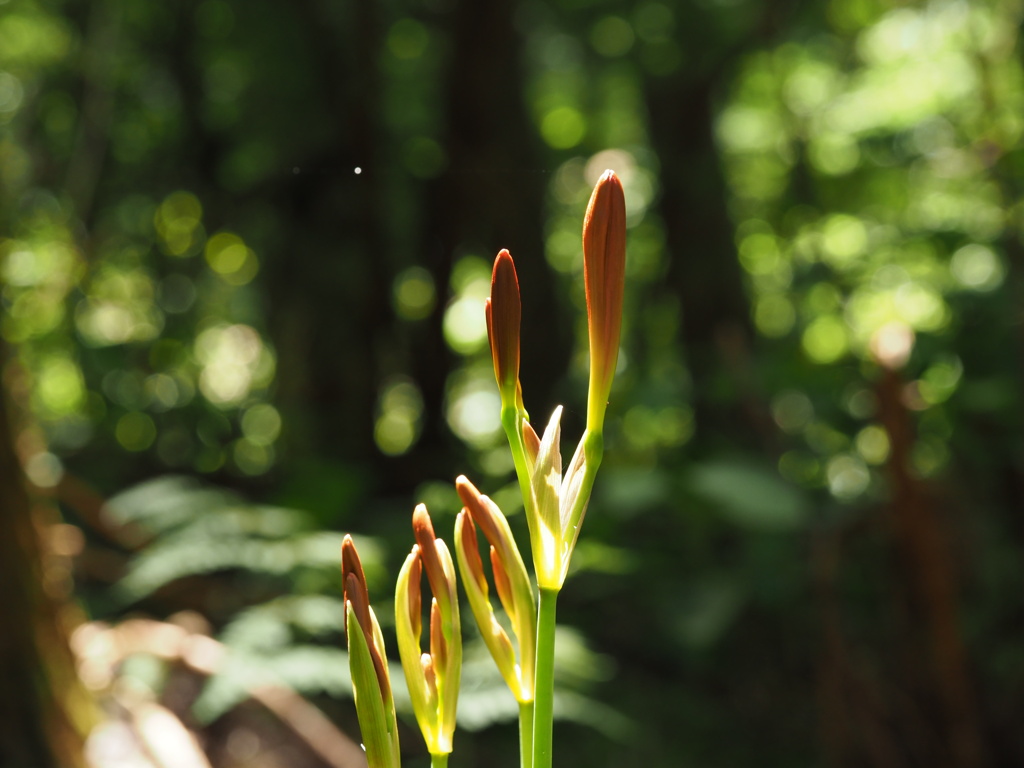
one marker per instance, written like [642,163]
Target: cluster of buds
[555,505]
[432,676]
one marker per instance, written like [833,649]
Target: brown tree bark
[929,593]
[41,704]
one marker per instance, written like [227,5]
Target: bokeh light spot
[844,238]
[228,256]
[234,361]
[474,408]
[261,424]
[252,458]
[413,294]
[176,221]
[135,431]
[44,469]
[465,325]
[60,387]
[834,153]
[872,444]
[977,268]
[824,340]
[398,423]
[563,127]
[848,477]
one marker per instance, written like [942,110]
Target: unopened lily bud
[371,683]
[433,678]
[512,584]
[504,317]
[604,270]
[356,594]
[440,585]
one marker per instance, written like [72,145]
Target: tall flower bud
[604,269]
[511,581]
[433,677]
[504,317]
[371,683]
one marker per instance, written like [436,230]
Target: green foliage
[200,531]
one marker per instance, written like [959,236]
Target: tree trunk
[41,702]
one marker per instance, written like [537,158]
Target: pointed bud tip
[466,490]
[421,522]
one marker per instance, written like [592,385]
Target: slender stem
[511,419]
[439,761]
[544,687]
[526,735]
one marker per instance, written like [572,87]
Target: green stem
[526,735]
[439,761]
[544,686]
[510,421]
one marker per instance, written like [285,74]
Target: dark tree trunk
[704,271]
[37,677]
[489,198]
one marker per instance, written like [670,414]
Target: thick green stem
[439,761]
[544,686]
[526,735]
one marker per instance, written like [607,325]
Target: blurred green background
[244,248]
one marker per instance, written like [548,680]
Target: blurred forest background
[244,247]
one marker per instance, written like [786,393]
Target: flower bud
[604,269]
[371,683]
[511,581]
[433,677]
[504,316]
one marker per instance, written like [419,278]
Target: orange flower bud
[504,317]
[423,530]
[356,594]
[371,684]
[511,581]
[604,269]
[432,677]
